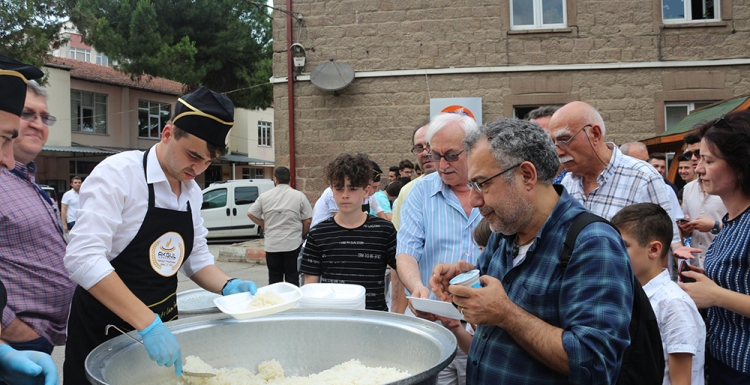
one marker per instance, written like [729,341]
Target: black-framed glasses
[435,157]
[416,150]
[478,185]
[30,116]
[563,144]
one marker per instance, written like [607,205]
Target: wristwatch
[715,230]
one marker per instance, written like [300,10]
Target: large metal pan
[304,341]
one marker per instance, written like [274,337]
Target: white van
[225,205]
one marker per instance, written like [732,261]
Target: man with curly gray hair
[536,324]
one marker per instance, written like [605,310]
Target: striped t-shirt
[728,264]
[356,256]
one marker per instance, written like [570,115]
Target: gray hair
[625,148]
[440,121]
[513,141]
[541,112]
[34,87]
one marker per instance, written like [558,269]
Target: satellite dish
[332,76]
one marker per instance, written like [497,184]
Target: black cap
[206,114]
[376,171]
[13,78]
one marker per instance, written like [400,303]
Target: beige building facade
[642,63]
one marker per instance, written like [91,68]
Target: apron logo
[167,253]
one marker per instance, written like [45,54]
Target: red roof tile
[107,75]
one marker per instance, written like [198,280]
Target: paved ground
[250,271]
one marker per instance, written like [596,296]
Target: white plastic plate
[236,305]
[441,308]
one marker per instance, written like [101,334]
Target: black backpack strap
[581,220]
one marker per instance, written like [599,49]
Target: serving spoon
[184,372]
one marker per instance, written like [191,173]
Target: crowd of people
[591,261]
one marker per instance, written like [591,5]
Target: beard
[512,214]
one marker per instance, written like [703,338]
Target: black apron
[148,266]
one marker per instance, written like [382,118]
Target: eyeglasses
[478,185]
[30,116]
[416,150]
[435,157]
[689,154]
[563,144]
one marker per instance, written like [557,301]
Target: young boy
[647,231]
[351,247]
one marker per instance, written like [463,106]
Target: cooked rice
[265,299]
[271,373]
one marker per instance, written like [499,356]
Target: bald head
[636,150]
[578,131]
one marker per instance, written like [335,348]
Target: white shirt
[114,201]
[696,203]
[70,199]
[680,325]
[326,207]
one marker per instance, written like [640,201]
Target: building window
[88,112]
[252,173]
[537,14]
[80,54]
[264,133]
[675,112]
[680,11]
[152,116]
[102,59]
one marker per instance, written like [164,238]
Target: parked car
[50,191]
[225,205]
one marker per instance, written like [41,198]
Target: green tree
[221,44]
[30,29]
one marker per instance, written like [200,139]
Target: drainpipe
[290,94]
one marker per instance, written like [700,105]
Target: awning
[78,149]
[706,114]
[233,158]
[674,136]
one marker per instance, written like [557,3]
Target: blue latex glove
[239,286]
[27,367]
[161,345]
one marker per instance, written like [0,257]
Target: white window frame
[689,13]
[161,122]
[689,105]
[265,132]
[102,59]
[75,53]
[538,21]
[77,96]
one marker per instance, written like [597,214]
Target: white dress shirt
[696,203]
[114,201]
[680,325]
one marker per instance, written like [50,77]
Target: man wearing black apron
[138,224]
[27,366]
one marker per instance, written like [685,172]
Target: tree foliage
[30,28]
[221,44]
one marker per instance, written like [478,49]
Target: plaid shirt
[31,256]
[625,181]
[592,303]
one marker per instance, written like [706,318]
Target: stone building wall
[377,115]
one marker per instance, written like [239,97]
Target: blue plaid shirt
[592,303]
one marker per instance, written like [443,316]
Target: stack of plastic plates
[332,295]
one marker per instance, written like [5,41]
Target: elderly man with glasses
[437,219]
[599,175]
[536,324]
[32,246]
